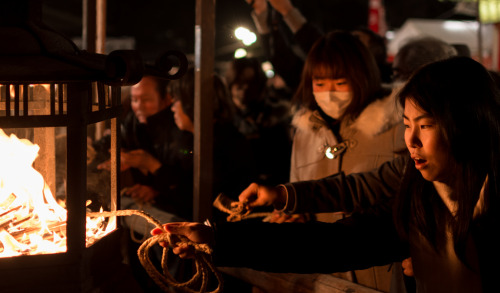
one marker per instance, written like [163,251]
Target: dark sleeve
[279,50]
[307,35]
[285,62]
[175,191]
[128,132]
[167,178]
[174,179]
[357,242]
[486,239]
[348,193]
[234,161]
[175,170]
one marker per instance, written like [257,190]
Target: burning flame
[31,221]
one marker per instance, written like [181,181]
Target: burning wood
[19,222]
[8,201]
[31,220]
[59,227]
[6,224]
[11,245]
[10,211]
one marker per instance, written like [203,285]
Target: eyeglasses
[333,152]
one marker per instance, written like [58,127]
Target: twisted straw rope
[237,210]
[202,259]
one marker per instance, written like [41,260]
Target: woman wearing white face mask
[345,122]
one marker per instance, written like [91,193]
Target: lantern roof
[31,52]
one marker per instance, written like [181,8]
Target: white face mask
[333,103]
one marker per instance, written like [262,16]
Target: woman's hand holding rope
[256,195]
[193,240]
[185,238]
[189,240]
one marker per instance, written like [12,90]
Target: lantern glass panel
[99,180]
[32,183]
[34,119]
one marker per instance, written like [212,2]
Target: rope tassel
[164,280]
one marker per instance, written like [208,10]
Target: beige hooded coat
[375,137]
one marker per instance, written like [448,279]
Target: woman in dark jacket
[446,213]
[233,161]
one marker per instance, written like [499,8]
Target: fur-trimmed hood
[376,118]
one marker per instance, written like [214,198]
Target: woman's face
[182,120]
[427,146]
[322,84]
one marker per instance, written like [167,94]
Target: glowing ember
[31,221]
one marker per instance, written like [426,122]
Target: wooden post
[100,47]
[203,109]
[89,25]
[100,40]
[76,166]
[94,40]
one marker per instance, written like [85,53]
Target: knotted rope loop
[236,210]
[165,280]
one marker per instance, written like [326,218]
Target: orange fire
[31,221]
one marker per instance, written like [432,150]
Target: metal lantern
[52,94]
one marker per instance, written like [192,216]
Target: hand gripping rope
[202,259]
[236,210]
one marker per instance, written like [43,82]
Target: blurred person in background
[151,146]
[233,158]
[417,52]
[280,50]
[263,116]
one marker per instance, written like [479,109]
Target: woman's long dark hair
[183,89]
[339,54]
[248,71]
[465,103]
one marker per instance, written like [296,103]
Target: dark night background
[160,25]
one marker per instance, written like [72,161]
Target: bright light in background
[267,67]
[389,35]
[245,35]
[241,32]
[240,53]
